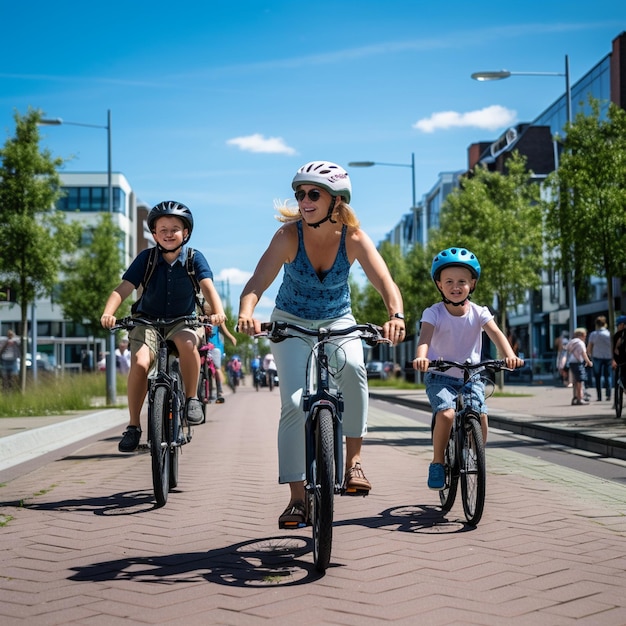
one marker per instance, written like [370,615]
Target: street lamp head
[53,122]
[485,76]
[361,164]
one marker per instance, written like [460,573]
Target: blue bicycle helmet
[621,320]
[455,256]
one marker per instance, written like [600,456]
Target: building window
[91,199]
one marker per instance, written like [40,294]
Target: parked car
[376,369]
[43,362]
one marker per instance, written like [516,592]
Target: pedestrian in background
[578,359]
[560,346]
[9,355]
[619,350]
[599,350]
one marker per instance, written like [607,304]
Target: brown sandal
[294,516]
[356,482]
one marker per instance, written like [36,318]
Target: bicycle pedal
[292,525]
[355,492]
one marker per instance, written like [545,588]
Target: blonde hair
[342,213]
[580,332]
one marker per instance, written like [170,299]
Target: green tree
[499,218]
[586,220]
[34,235]
[92,274]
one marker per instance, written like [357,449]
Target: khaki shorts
[147,335]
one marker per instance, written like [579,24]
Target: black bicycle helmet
[175,209]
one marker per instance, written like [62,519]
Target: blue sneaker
[436,476]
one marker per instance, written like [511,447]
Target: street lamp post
[413,198]
[499,75]
[110,366]
[372,163]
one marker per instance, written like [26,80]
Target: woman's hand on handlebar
[394,330]
[108,321]
[248,325]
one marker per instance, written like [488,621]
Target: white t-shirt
[456,338]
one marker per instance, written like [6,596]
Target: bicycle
[464,456]
[323,407]
[207,375]
[619,390]
[167,428]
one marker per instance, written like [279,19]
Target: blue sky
[217,104]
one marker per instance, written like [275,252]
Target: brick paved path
[82,543]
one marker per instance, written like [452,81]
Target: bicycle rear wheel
[473,471]
[447,495]
[204,386]
[619,397]
[322,495]
[159,445]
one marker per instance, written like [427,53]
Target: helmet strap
[162,249]
[446,301]
[328,217]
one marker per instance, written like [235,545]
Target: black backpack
[191,272]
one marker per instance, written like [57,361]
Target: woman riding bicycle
[452,330]
[316,246]
[169,293]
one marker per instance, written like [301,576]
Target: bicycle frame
[318,395]
[323,407]
[166,398]
[465,450]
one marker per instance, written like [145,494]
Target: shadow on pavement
[412,518]
[258,563]
[124,503]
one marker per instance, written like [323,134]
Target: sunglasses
[314,195]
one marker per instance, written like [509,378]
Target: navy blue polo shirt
[170,292]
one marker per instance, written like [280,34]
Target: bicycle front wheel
[448,494]
[619,395]
[159,445]
[321,497]
[473,471]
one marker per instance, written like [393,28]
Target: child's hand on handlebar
[108,321]
[514,362]
[421,364]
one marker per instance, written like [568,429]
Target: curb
[25,446]
[613,448]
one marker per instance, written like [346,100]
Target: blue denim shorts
[579,372]
[442,392]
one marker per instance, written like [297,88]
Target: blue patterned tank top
[305,294]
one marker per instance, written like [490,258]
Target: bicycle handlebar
[279,331]
[192,321]
[495,365]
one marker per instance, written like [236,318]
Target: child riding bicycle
[169,293]
[452,330]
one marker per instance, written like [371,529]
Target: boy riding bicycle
[452,330]
[170,292]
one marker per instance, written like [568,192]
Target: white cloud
[489,118]
[234,276]
[259,143]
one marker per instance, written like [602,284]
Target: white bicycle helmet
[327,175]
